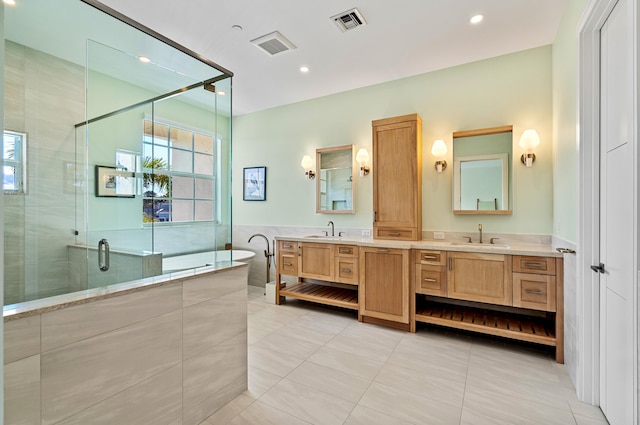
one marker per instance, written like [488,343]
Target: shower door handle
[103,255]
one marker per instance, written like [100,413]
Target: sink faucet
[330,223]
[480,230]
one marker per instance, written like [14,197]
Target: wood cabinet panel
[384,284]
[534,291]
[316,260]
[347,250]
[480,277]
[431,280]
[530,264]
[425,256]
[397,178]
[346,270]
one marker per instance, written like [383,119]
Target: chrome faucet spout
[267,252]
[332,228]
[480,230]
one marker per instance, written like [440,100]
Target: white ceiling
[401,39]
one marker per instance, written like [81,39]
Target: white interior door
[617,367]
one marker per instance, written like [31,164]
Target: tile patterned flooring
[309,364]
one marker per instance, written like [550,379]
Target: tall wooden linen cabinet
[397,178]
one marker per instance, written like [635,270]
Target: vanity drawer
[287,246]
[534,291]
[538,265]
[409,234]
[346,270]
[431,280]
[288,263]
[438,258]
[347,251]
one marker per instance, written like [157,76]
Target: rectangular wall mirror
[482,171]
[335,189]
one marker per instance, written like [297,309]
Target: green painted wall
[513,89]
[565,146]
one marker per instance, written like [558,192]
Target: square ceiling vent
[273,43]
[349,20]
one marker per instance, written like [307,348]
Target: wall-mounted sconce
[439,150]
[306,163]
[528,141]
[362,158]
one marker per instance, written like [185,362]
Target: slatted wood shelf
[329,295]
[509,325]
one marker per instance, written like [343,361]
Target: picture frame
[254,184]
[114,183]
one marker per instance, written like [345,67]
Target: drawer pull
[288,264]
[345,251]
[287,245]
[393,233]
[382,250]
[345,270]
[429,257]
[534,265]
[533,291]
[426,279]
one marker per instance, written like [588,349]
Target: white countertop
[502,248]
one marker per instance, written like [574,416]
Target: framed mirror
[482,171]
[335,180]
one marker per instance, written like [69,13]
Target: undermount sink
[328,238]
[481,245]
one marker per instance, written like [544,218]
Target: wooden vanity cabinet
[397,178]
[384,284]
[479,277]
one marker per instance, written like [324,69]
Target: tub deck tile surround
[121,369]
[69,325]
[21,339]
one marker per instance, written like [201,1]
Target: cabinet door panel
[431,280]
[346,270]
[288,263]
[480,277]
[384,284]
[316,261]
[534,291]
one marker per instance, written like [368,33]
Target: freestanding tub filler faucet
[480,230]
[268,253]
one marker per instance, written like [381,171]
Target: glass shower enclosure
[128,142]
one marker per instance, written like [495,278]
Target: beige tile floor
[309,364]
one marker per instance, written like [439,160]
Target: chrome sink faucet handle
[491,241]
[480,230]
[332,228]
[468,238]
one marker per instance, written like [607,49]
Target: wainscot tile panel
[21,338]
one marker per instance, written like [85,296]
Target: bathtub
[201,259]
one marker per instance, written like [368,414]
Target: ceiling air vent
[273,43]
[349,20]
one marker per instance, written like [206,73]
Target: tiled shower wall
[44,98]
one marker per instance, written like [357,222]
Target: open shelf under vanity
[533,327]
[323,294]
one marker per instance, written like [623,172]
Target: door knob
[599,268]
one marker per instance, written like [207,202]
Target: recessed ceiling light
[10,2]
[144,59]
[476,19]
[236,27]
[304,69]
